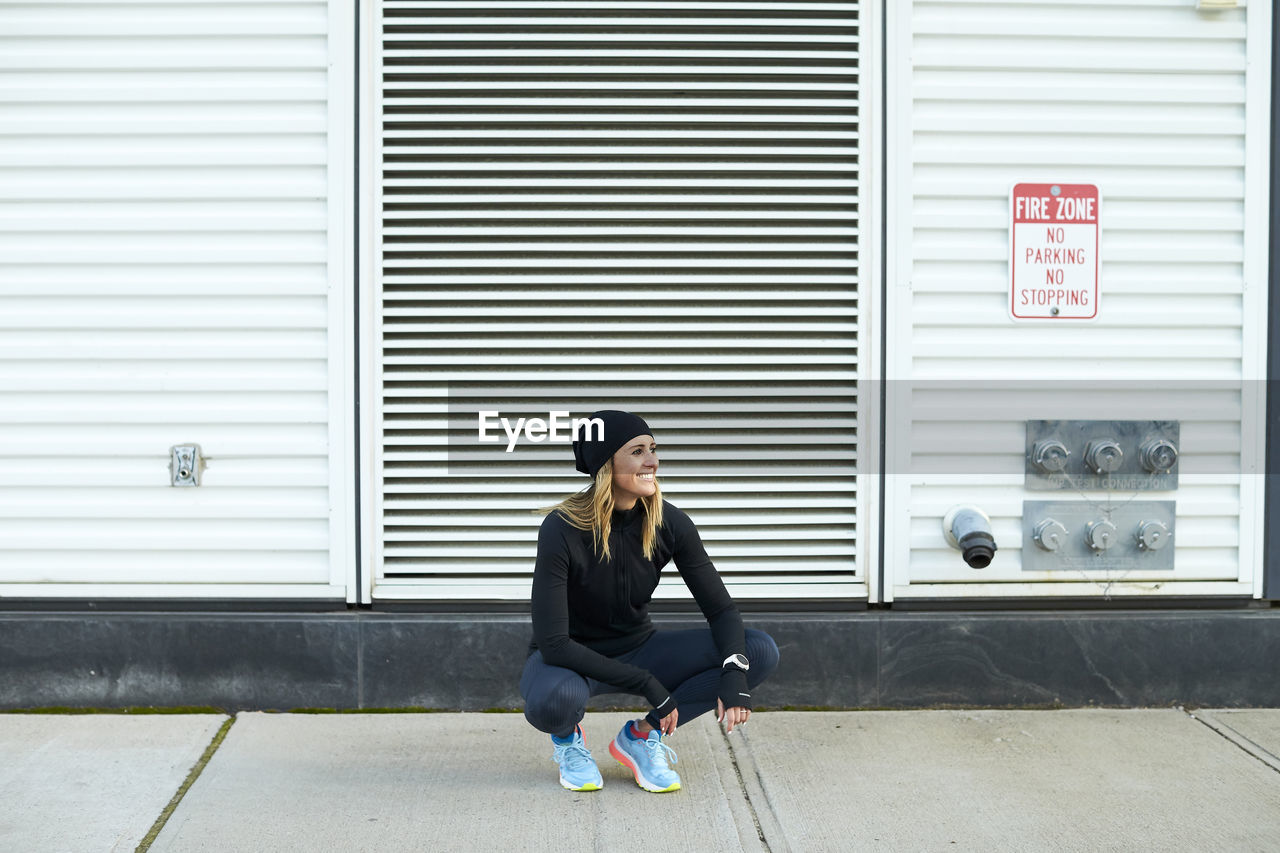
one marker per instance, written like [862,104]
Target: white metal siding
[1165,109]
[166,259]
[639,205]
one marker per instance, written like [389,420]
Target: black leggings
[686,662]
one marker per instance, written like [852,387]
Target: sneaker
[647,760]
[578,770]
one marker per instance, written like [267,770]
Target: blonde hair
[592,509]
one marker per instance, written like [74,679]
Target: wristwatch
[736,661]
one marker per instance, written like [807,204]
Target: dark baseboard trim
[1094,604]
[174,605]
[353,659]
[658,608]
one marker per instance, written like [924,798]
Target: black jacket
[587,610]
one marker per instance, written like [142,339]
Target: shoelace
[659,752]
[574,755]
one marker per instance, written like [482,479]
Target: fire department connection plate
[1055,234]
[1083,535]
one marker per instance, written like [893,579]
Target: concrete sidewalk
[878,780]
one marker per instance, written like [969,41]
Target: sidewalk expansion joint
[145,844]
[746,794]
[1249,747]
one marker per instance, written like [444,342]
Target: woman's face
[635,466]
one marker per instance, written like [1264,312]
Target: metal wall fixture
[185,465]
[1050,534]
[1085,535]
[1103,455]
[968,530]
[1153,535]
[1100,534]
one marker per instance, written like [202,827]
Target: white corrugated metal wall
[173,260]
[645,205]
[1164,108]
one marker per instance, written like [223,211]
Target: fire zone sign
[1055,234]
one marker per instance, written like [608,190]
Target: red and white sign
[1055,234]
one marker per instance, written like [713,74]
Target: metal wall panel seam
[1271,406]
[369,78]
[355,594]
[1257,205]
[344,489]
[898,123]
[875,145]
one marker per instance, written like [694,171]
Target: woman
[599,556]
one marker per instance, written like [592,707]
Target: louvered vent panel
[649,206]
[164,280]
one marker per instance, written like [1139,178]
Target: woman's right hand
[667,724]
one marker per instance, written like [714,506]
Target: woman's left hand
[736,715]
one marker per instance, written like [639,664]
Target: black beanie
[619,428]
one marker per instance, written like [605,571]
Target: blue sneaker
[578,771]
[647,760]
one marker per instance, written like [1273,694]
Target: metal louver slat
[647,206]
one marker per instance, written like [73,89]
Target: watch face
[741,661]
